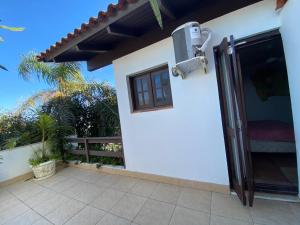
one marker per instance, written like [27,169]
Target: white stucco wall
[185,141]
[15,161]
[291,42]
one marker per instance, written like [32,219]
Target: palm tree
[46,125]
[15,29]
[63,79]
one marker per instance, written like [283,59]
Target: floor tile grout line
[121,217]
[11,219]
[22,192]
[251,216]
[67,196]
[132,221]
[232,218]
[211,196]
[106,212]
[75,214]
[173,212]
[237,220]
[116,202]
[128,192]
[32,209]
[68,199]
[59,206]
[176,205]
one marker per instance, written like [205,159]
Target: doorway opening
[257,115]
[269,115]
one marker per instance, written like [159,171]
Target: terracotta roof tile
[102,17]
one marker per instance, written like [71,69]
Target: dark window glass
[141,87]
[151,90]
[161,87]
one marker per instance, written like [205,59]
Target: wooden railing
[108,143]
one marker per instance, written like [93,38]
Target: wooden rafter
[120,31]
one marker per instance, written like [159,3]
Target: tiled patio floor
[75,196]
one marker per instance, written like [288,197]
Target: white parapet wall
[14,162]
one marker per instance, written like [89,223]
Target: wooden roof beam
[92,48]
[166,10]
[121,31]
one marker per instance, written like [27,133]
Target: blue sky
[45,22]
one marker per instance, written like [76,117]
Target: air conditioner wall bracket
[186,67]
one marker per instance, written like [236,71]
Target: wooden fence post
[86,150]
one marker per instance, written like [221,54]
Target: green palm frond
[46,124]
[3,68]
[66,74]
[2,39]
[14,29]
[47,127]
[38,98]
[58,75]
[30,65]
[157,13]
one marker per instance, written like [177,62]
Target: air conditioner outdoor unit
[190,43]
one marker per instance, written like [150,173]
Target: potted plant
[42,161]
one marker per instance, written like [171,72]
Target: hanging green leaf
[156,11]
[16,29]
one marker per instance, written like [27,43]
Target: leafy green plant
[10,143]
[46,124]
[47,127]
[18,130]
[38,157]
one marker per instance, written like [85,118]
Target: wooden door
[231,119]
[241,111]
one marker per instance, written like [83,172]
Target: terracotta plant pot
[44,170]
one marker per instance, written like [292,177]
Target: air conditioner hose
[204,45]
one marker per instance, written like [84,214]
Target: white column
[290,31]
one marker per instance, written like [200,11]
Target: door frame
[239,43]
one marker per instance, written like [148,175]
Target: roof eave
[87,30]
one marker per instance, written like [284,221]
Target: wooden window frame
[153,101]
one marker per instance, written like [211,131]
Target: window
[150,90]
